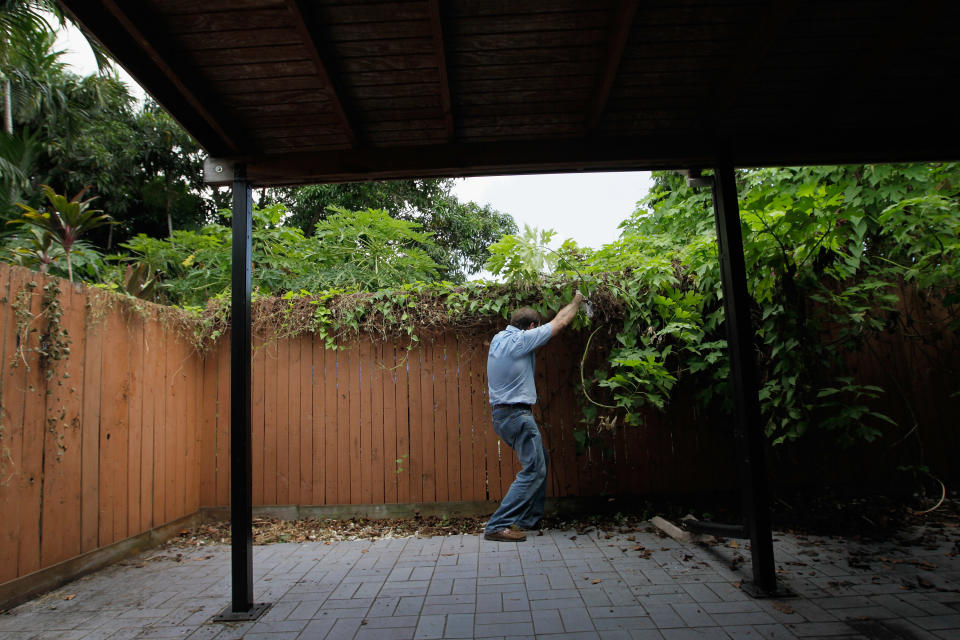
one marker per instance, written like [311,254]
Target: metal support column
[241,467]
[743,372]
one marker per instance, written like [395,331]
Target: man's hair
[523,316]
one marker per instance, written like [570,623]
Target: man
[510,366]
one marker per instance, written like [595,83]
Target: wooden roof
[345,90]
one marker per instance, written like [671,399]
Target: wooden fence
[373,423]
[130,430]
[101,445]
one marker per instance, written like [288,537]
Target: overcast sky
[587,207]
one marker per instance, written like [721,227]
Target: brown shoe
[506,535]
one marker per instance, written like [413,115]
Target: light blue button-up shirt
[511,362]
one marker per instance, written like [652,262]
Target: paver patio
[555,585]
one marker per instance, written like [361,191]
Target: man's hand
[566,315]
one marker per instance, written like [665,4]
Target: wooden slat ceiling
[332,90]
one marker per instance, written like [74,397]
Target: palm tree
[19,19]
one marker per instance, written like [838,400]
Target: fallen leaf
[597,581]
[734,544]
[783,607]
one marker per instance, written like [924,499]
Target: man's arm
[566,315]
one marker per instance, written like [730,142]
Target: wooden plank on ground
[304,450]
[414,466]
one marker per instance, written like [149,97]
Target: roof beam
[618,31]
[436,28]
[306,34]
[659,151]
[173,74]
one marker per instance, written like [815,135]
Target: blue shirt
[510,364]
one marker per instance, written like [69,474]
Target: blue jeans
[523,504]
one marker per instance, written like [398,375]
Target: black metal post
[743,372]
[241,466]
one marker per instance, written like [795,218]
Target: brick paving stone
[278,626]
[400,583]
[515,601]
[820,629]
[556,603]
[392,633]
[503,629]
[343,629]
[774,632]
[418,588]
[430,626]
[935,623]
[693,615]
[704,633]
[746,617]
[459,625]
[628,623]
[409,605]
[928,605]
[547,621]
[727,592]
[465,585]
[576,619]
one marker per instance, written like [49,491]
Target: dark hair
[524,316]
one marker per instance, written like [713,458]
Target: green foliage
[523,258]
[827,250]
[461,231]
[352,250]
[63,222]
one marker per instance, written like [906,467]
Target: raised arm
[566,315]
